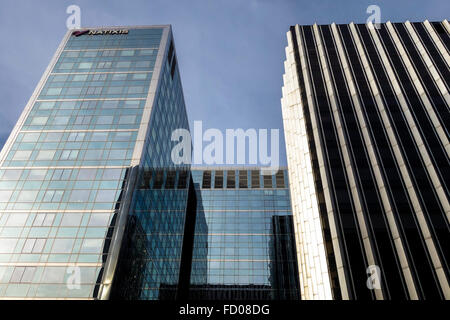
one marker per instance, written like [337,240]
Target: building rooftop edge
[341,24]
[126,27]
[234,167]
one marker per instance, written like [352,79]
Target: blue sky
[230,52]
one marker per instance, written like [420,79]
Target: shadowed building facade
[238,241]
[366,120]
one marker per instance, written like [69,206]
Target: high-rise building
[243,243]
[238,241]
[74,172]
[366,118]
[92,206]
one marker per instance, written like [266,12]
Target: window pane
[106,196]
[112,174]
[7,245]
[53,137]
[54,91]
[127,119]
[87,174]
[85,65]
[127,53]
[63,245]
[30,137]
[28,247]
[37,174]
[46,105]
[53,275]
[105,120]
[17,219]
[71,219]
[28,274]
[45,155]
[79,195]
[99,220]
[80,77]
[92,246]
[139,76]
[39,245]
[17,274]
[12,174]
[99,136]
[22,155]
[27,196]
[48,221]
[117,154]
[119,77]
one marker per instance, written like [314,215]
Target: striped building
[366,119]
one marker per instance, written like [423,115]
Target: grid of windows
[59,148]
[85,114]
[98,85]
[237,239]
[149,266]
[61,182]
[231,179]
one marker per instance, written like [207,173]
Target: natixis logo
[78,33]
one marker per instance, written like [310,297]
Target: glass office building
[366,119]
[243,245]
[238,239]
[96,128]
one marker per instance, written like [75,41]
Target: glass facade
[244,247]
[157,216]
[65,166]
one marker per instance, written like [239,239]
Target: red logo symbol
[79,33]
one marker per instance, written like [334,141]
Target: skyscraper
[366,116]
[74,171]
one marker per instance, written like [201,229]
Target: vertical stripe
[387,145]
[432,83]
[387,233]
[440,29]
[314,273]
[315,137]
[337,182]
[436,50]
[420,111]
[433,199]
[374,110]
[369,95]
[343,138]
[394,113]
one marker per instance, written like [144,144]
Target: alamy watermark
[74,279]
[236,146]
[374,20]
[74,19]
[374,280]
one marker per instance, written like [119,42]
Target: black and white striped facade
[366,119]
